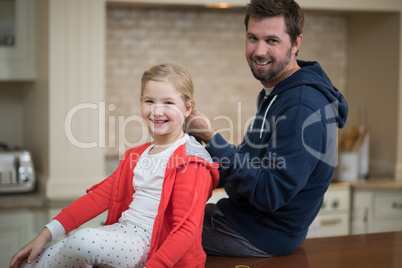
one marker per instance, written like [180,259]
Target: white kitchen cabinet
[17,62]
[217,194]
[18,227]
[334,216]
[377,211]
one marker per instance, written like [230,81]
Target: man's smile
[262,63]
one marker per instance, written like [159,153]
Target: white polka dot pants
[116,245]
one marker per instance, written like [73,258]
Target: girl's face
[164,111]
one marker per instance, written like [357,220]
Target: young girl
[155,199]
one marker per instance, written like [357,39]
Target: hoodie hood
[311,74]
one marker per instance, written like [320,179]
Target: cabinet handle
[331,221]
[396,205]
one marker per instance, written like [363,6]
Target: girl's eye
[149,101]
[169,103]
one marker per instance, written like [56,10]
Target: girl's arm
[77,213]
[32,249]
[97,199]
[86,207]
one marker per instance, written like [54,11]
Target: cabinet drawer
[336,199]
[334,225]
[388,205]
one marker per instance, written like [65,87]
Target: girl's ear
[189,108]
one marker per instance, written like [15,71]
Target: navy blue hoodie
[276,178]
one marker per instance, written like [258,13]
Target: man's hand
[199,126]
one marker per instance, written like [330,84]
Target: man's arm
[271,180]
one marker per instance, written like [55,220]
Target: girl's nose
[158,109]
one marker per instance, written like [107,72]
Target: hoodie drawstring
[265,115]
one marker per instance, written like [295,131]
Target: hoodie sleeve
[272,179]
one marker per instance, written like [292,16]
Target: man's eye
[273,41]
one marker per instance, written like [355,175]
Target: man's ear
[297,44]
[189,108]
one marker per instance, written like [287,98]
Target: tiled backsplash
[210,43]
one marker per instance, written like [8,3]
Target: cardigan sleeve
[86,207]
[113,193]
[190,193]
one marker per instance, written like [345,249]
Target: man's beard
[272,72]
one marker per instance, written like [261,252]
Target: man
[276,178]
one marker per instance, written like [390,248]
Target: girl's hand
[32,249]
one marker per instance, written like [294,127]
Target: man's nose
[260,49]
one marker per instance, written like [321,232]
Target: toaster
[17,172]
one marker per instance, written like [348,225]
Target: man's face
[268,49]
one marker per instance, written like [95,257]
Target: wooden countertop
[35,199]
[339,185]
[367,250]
[377,183]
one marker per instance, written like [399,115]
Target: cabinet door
[10,238]
[334,225]
[15,231]
[387,212]
[376,211]
[17,62]
[334,215]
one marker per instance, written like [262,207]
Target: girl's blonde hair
[175,74]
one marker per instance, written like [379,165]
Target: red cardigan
[176,237]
